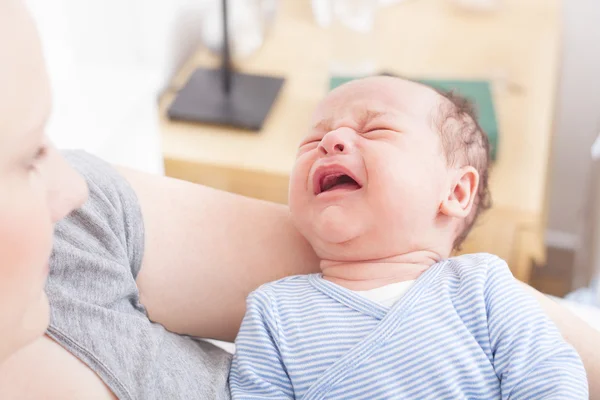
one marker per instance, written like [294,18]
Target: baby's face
[371,175]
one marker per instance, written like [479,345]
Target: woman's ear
[459,202]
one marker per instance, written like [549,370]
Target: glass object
[248,21]
[478,5]
[352,37]
[322,10]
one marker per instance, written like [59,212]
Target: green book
[478,91]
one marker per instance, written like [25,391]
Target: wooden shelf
[517,48]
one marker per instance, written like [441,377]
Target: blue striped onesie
[464,330]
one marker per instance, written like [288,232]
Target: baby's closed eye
[379,132]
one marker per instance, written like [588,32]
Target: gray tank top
[95,309]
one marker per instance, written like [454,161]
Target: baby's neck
[372,274]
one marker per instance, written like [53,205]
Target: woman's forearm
[579,334]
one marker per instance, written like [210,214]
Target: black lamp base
[246,105]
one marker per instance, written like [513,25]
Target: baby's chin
[333,226]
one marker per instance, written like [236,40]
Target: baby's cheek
[401,196]
[297,191]
[295,185]
[300,174]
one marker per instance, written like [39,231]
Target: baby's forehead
[379,97]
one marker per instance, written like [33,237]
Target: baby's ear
[463,191]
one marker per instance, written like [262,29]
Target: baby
[389,181]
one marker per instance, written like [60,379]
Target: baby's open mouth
[336,181]
[332,182]
[333,177]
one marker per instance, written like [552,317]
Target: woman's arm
[206,250]
[579,334]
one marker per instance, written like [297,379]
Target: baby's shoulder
[287,283]
[474,264]
[286,287]
[472,272]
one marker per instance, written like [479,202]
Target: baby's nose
[339,141]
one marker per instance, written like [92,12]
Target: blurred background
[118,67]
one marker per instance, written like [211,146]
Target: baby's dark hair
[464,142]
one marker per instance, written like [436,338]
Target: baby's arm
[530,357]
[257,371]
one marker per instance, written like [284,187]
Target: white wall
[577,124]
[108,60]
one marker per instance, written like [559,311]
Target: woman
[140,249]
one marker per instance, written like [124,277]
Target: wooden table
[517,48]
